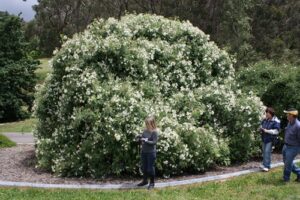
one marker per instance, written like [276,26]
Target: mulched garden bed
[18,164]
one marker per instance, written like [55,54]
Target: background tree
[234,30]
[16,70]
[276,30]
[250,30]
[68,17]
[31,37]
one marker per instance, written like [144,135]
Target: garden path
[20,138]
[17,168]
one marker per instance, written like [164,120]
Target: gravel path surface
[18,164]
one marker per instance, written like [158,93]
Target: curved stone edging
[133,185]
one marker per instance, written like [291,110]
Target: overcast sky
[17,6]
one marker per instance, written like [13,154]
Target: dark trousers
[148,164]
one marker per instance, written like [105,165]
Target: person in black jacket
[269,130]
[149,139]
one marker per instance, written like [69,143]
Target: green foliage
[235,30]
[43,70]
[282,94]
[249,29]
[276,30]
[259,76]
[50,24]
[106,80]
[31,37]
[275,84]
[16,71]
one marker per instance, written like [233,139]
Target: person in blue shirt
[291,145]
[269,130]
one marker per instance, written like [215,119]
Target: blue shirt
[268,124]
[292,133]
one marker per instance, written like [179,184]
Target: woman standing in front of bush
[269,130]
[148,154]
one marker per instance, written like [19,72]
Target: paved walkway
[20,138]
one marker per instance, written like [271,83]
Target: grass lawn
[253,186]
[5,142]
[21,126]
[43,70]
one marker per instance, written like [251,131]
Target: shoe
[151,186]
[285,181]
[143,183]
[265,169]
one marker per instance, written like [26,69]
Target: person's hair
[270,110]
[150,123]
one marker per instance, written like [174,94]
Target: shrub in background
[16,71]
[259,76]
[106,80]
[276,85]
[283,93]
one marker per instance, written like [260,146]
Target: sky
[17,6]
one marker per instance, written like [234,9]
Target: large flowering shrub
[106,80]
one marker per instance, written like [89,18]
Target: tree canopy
[16,70]
[249,29]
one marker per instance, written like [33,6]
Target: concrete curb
[133,185]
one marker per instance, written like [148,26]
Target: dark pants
[148,164]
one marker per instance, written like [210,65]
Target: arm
[272,131]
[154,139]
[298,134]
